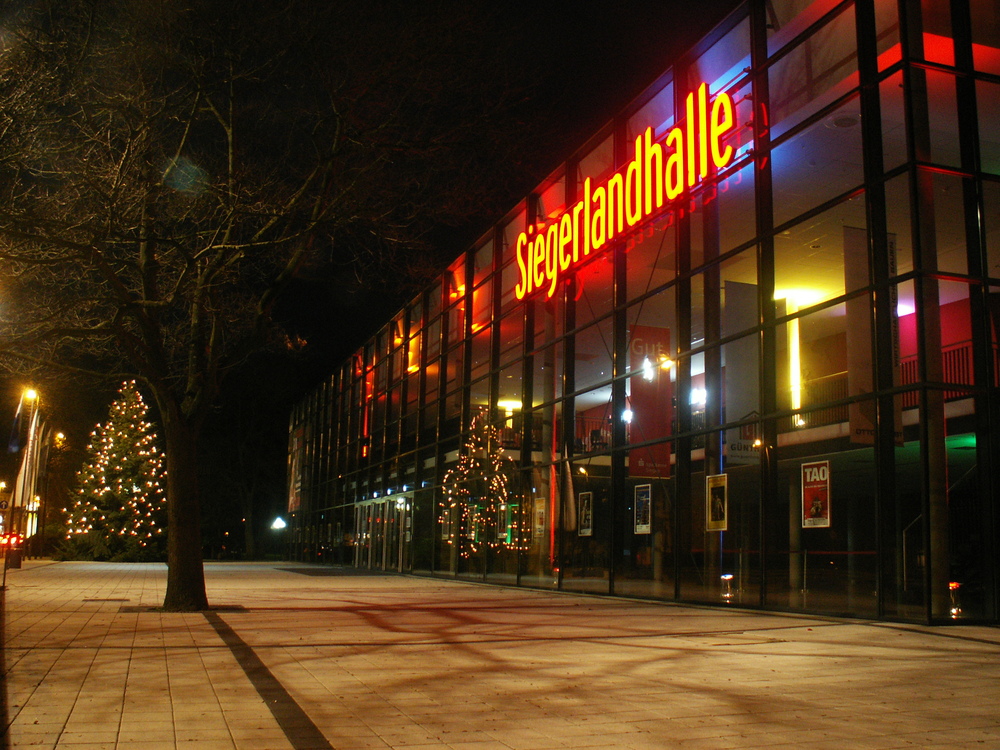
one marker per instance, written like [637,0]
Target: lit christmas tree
[120,508]
[479,505]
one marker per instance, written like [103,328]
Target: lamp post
[24,505]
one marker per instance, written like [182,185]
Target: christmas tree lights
[478,505]
[120,508]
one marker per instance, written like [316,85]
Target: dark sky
[579,63]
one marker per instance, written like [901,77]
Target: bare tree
[167,168]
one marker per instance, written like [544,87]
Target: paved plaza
[304,657]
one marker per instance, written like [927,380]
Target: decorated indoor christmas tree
[479,505]
[119,512]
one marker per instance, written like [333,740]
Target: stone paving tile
[397,662]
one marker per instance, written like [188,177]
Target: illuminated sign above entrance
[659,172]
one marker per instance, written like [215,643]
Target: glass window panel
[456,322]
[510,387]
[991,221]
[657,113]
[481,352]
[789,18]
[595,288]
[510,232]
[819,163]
[434,339]
[725,62]
[988,105]
[821,69]
[822,257]
[511,337]
[455,280]
[723,216]
[948,327]
[593,355]
[482,307]
[549,318]
[479,394]
[893,121]
[596,164]
[552,201]
[652,330]
[651,258]
[887,28]
[592,429]
[897,199]
[985,36]
[433,301]
[482,263]
[453,369]
[508,282]
[547,380]
[942,111]
[938,45]
[587,529]
[949,224]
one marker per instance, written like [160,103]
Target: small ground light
[728,578]
[956,610]
[279,523]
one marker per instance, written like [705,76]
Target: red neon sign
[630,195]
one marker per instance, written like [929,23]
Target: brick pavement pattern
[305,657]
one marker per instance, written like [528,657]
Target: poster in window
[816,495]
[643,508]
[539,523]
[585,527]
[716,503]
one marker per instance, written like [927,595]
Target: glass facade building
[771,381]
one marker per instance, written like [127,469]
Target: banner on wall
[716,502]
[643,509]
[295,470]
[650,400]
[816,495]
[585,526]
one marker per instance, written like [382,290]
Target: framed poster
[585,523]
[643,508]
[716,503]
[816,495]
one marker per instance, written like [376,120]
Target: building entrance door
[383,533]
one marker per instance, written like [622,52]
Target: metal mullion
[767,341]
[987,446]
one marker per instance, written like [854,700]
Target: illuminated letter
[653,171]
[689,136]
[524,284]
[703,130]
[586,217]
[722,123]
[538,262]
[552,257]
[576,229]
[597,222]
[633,187]
[675,164]
[616,200]
[566,235]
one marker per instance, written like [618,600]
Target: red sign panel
[816,495]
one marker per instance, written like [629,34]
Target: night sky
[576,63]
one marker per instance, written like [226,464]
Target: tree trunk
[186,573]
